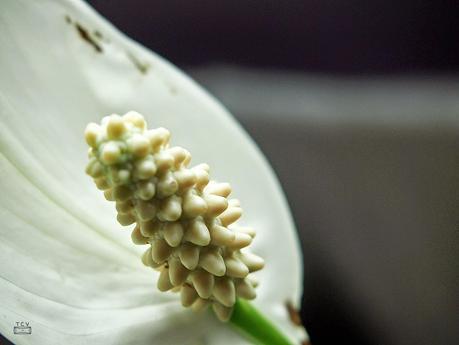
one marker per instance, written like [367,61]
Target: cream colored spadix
[178,211]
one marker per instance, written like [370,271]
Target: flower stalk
[248,320]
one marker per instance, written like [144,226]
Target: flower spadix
[186,219]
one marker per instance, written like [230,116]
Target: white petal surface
[66,266]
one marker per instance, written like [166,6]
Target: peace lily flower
[68,270]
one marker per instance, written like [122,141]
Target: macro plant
[67,269]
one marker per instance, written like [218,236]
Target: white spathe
[66,266]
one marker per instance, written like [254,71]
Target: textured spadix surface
[184,217]
[66,266]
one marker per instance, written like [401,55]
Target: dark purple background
[330,36]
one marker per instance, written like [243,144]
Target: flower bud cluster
[186,219]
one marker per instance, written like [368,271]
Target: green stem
[253,324]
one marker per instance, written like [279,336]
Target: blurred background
[356,105]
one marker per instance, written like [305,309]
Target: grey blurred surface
[371,171]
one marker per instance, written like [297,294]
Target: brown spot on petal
[143,67]
[305,342]
[293,314]
[98,34]
[84,34]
